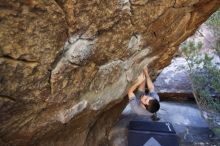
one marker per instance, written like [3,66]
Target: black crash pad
[144,133]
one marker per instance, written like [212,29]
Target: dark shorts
[153,94]
[139,93]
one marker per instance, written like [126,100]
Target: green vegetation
[214,19]
[214,23]
[217,131]
[204,74]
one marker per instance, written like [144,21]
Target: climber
[141,103]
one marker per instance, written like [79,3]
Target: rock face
[63,63]
[174,82]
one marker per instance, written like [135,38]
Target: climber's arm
[150,84]
[139,81]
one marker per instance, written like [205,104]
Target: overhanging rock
[63,64]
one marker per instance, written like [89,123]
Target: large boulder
[63,63]
[174,82]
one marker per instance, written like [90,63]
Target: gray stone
[55,56]
[174,81]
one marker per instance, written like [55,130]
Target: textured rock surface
[174,82]
[63,63]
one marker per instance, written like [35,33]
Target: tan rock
[63,64]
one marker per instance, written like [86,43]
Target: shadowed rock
[63,64]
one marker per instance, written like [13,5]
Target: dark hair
[153,106]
